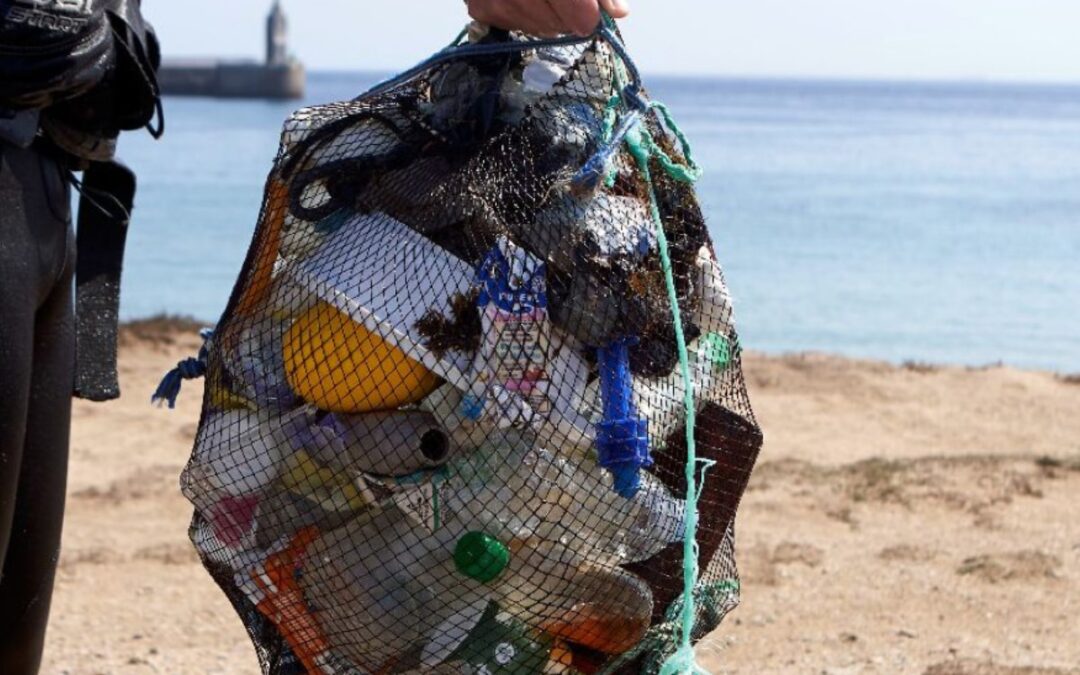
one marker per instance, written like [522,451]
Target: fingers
[535,17]
[577,16]
[484,11]
[618,9]
[546,17]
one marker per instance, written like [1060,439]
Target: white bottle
[525,492]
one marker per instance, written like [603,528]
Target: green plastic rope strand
[643,147]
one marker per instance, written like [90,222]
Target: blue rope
[588,178]
[595,170]
[188,369]
[456,52]
[630,94]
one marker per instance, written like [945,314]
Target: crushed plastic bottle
[429,564]
[519,491]
[379,585]
[239,455]
[384,591]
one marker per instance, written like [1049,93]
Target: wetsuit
[37,353]
[73,75]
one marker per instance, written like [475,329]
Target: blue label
[517,287]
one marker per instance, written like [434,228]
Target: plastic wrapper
[441,431]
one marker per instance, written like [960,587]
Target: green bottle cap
[480,556]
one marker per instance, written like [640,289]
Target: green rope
[611,112]
[643,147]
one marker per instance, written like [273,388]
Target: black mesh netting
[444,425]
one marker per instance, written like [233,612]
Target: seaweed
[463,332]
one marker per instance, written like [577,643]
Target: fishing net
[445,420]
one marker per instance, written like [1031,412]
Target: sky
[1012,40]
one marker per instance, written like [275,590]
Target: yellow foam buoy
[339,365]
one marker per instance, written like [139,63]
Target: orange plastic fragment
[267,246]
[284,604]
[600,628]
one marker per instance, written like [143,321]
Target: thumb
[618,9]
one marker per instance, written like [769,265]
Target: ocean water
[931,222]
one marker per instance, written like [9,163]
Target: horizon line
[795,77]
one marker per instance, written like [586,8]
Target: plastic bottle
[522,491]
[381,585]
[606,609]
[499,644]
[238,454]
[460,418]
[609,527]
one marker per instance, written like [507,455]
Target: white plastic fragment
[716,313]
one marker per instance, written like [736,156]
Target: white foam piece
[386,276]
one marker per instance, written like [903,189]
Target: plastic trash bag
[443,429]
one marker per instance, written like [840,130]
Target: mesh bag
[445,422]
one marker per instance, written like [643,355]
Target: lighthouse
[277,52]
[282,76]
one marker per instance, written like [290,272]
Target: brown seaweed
[462,332]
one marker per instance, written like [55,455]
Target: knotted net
[444,426]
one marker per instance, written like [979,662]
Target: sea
[904,221]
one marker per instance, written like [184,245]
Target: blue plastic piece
[472,407]
[588,178]
[622,438]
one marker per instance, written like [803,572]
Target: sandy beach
[906,519]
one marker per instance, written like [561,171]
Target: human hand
[546,17]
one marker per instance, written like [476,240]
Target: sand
[901,520]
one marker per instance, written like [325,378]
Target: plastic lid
[480,556]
